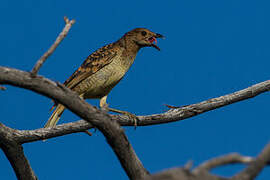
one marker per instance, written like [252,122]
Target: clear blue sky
[212,48]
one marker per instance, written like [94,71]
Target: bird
[104,68]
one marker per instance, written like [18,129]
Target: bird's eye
[144,33]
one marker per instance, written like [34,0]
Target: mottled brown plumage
[104,68]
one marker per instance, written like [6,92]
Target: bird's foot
[105,108]
[131,116]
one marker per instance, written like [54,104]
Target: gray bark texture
[11,140]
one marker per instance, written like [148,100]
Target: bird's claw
[105,108]
[133,117]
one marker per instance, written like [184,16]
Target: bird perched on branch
[103,69]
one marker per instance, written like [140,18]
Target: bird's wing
[91,65]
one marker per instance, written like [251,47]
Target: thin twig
[255,167]
[223,160]
[58,40]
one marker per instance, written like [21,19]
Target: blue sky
[211,48]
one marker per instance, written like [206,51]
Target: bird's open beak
[153,40]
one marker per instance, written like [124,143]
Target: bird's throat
[131,48]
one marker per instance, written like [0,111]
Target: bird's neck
[129,46]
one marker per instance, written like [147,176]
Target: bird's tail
[55,116]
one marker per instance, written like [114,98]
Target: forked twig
[58,40]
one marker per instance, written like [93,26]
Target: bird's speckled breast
[101,83]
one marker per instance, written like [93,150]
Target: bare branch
[223,160]
[14,153]
[256,166]
[113,133]
[100,120]
[26,136]
[172,115]
[58,40]
[183,174]
[188,111]
[107,124]
[202,171]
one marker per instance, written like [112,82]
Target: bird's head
[143,37]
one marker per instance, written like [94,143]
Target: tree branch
[183,174]
[202,171]
[169,116]
[26,136]
[255,167]
[223,160]
[113,133]
[14,153]
[11,139]
[58,40]
[181,113]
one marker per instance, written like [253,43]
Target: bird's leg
[104,106]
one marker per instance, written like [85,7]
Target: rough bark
[11,140]
[14,153]
[113,133]
[58,40]
[108,125]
